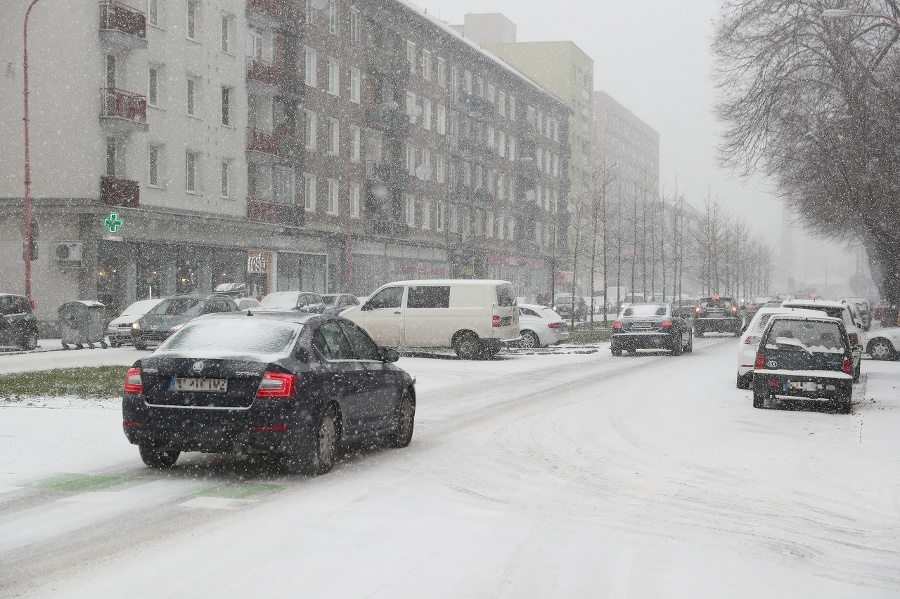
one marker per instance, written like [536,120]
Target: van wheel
[467,346]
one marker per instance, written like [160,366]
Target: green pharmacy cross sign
[113,222]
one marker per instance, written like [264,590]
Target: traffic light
[34,250]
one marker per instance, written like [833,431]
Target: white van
[473,316]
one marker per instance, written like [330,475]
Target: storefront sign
[113,222]
[258,263]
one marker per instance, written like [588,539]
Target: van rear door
[505,319]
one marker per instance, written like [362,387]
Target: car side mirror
[389,354]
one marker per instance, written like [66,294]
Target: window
[309,192]
[154,12]
[225,176]
[193,19]
[426,114]
[332,17]
[410,210]
[355,85]
[411,57]
[355,142]
[490,138]
[410,104]
[310,130]
[454,219]
[479,87]
[156,158]
[441,216]
[334,76]
[310,66]
[363,346]
[426,65]
[283,184]
[255,44]
[354,26]
[441,119]
[440,165]
[426,164]
[354,200]
[430,296]
[512,108]
[426,214]
[491,93]
[467,76]
[192,172]
[389,297]
[227,32]
[489,225]
[331,342]
[555,167]
[193,96]
[227,95]
[334,132]
[155,85]
[512,147]
[410,159]
[454,82]
[501,187]
[334,194]
[501,143]
[501,102]
[442,72]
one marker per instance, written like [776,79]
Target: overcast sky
[653,56]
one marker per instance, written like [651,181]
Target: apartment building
[627,147]
[315,144]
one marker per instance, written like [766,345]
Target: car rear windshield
[832,311]
[279,301]
[645,310]
[177,306]
[245,335]
[506,297]
[724,303]
[815,335]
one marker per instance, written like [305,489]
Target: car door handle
[398,312]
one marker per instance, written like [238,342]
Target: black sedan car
[717,314]
[290,386]
[18,325]
[651,326]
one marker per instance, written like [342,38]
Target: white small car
[119,329]
[884,344]
[540,326]
[750,340]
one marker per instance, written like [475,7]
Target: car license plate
[640,326]
[802,385]
[204,385]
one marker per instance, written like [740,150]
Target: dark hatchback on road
[172,313]
[804,357]
[18,325]
[717,314]
[290,386]
[651,326]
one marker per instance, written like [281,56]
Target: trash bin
[82,322]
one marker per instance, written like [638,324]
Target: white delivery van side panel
[428,315]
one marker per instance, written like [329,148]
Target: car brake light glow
[495,321]
[617,325]
[760,362]
[667,324]
[278,428]
[132,423]
[717,297]
[276,384]
[697,309]
[133,381]
[847,366]
[556,325]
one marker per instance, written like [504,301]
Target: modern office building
[290,144]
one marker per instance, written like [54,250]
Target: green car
[804,357]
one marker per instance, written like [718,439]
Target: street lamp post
[843,13]
[27,223]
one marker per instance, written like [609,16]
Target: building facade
[323,145]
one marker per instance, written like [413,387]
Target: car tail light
[278,428]
[760,362]
[667,324]
[617,325]
[854,339]
[556,325]
[847,367]
[751,340]
[495,322]
[751,307]
[132,423]
[133,381]
[716,297]
[276,384]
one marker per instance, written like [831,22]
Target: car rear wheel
[156,458]
[467,346]
[690,345]
[744,380]
[405,422]
[699,333]
[616,351]
[881,349]
[843,405]
[529,340]
[324,444]
[678,348]
[758,400]
[30,341]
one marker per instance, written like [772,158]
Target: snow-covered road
[561,475]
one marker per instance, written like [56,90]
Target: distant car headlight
[177,326]
[136,326]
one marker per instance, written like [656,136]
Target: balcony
[120,192]
[265,13]
[393,175]
[478,106]
[289,145]
[289,215]
[483,197]
[122,112]
[389,63]
[388,119]
[262,146]
[122,27]
[263,78]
